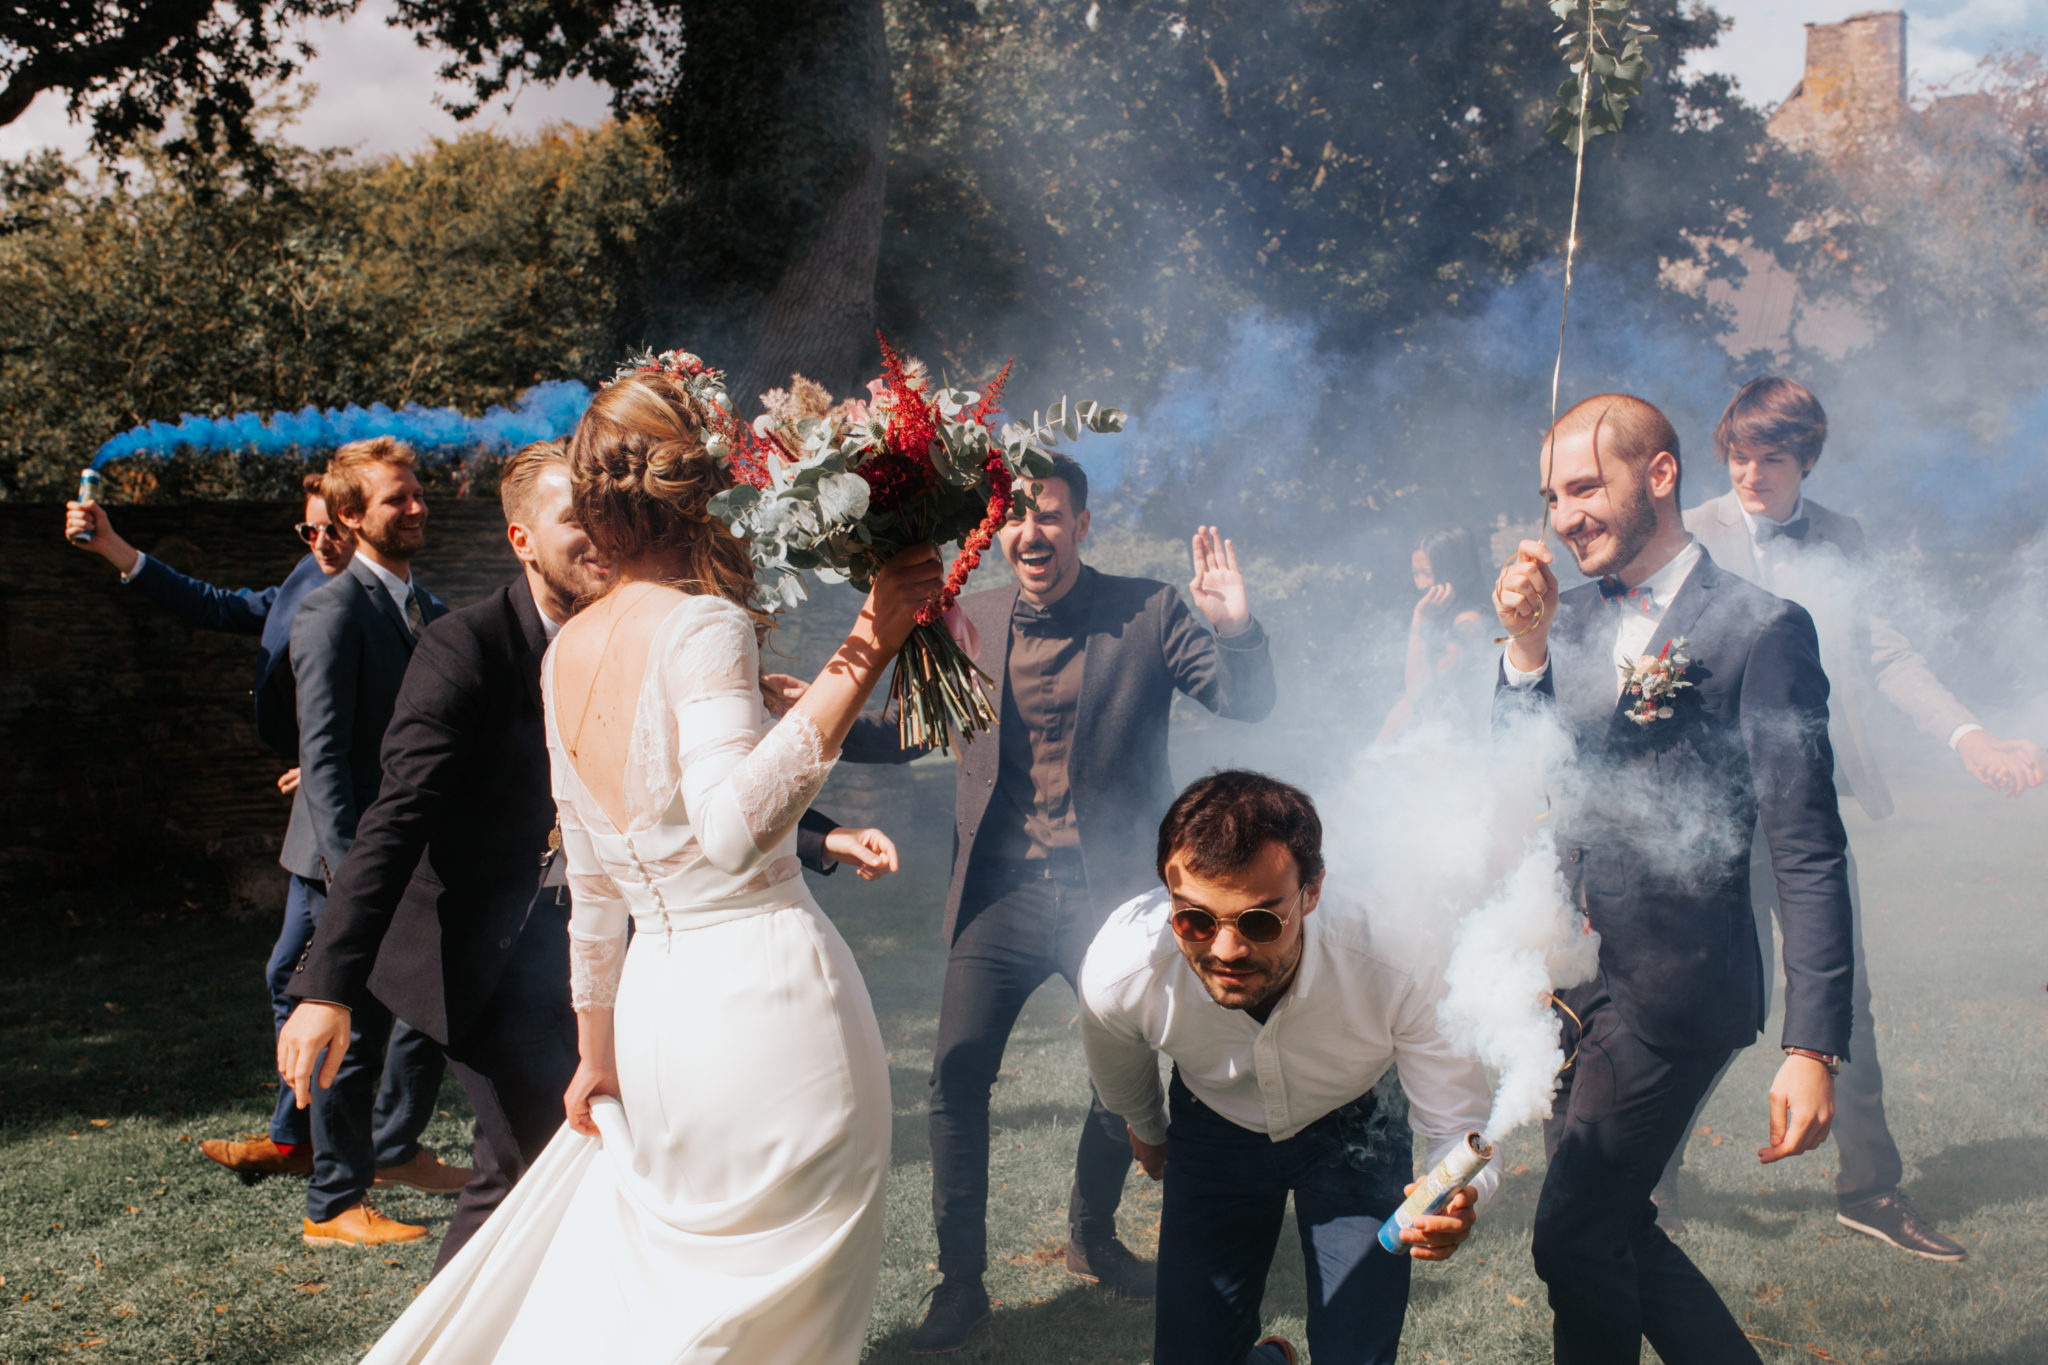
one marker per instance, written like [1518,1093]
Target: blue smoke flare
[541,413]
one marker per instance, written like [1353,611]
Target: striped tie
[415,619]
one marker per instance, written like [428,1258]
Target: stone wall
[129,746]
[1854,84]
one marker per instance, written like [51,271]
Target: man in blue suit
[266,613]
[351,642]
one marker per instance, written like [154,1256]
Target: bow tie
[1794,529]
[1641,598]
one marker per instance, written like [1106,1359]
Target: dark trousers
[1224,1203]
[515,1060]
[1017,930]
[1868,1162]
[379,1104]
[289,1124]
[1614,1277]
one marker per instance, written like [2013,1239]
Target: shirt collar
[1750,519]
[1071,610]
[1664,584]
[549,626]
[393,584]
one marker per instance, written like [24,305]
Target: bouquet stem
[938,690]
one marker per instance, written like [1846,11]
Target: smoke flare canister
[88,491]
[1434,1190]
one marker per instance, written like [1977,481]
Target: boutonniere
[1654,682]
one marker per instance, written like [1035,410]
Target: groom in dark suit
[351,641]
[451,908]
[1056,818]
[1657,809]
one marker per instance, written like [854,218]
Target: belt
[1063,866]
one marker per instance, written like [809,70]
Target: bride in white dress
[716,1194]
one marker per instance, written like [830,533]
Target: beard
[390,540]
[1257,994]
[1634,526]
[571,582]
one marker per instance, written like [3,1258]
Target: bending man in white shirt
[1279,1022]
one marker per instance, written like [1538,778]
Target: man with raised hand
[1053,816]
[1697,710]
[1280,1010]
[1768,531]
[351,642]
[287,1148]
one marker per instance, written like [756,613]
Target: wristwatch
[1833,1064]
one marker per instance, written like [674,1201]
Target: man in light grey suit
[1767,531]
[350,644]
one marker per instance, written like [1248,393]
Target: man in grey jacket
[1055,818]
[350,644]
[1766,530]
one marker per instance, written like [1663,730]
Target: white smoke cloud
[1508,956]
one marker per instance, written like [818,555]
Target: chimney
[1855,81]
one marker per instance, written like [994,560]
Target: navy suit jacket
[349,649]
[263,612]
[1656,821]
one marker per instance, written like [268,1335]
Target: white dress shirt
[1636,618]
[399,588]
[1365,998]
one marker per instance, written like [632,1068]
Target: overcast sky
[376,89]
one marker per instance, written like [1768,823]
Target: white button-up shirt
[1365,998]
[1635,625]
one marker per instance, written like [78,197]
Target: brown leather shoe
[258,1156]
[425,1172]
[361,1226]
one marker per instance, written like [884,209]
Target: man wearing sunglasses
[1052,816]
[1280,1023]
[267,613]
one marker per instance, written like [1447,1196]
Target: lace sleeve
[743,791]
[597,918]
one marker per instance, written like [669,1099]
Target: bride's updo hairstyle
[641,481]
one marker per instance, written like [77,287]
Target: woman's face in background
[1424,578]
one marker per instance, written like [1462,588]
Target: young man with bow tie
[1656,813]
[1768,531]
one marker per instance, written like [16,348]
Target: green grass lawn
[125,1043]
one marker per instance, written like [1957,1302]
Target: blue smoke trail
[542,413]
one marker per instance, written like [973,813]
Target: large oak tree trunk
[778,132]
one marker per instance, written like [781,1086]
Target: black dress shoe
[959,1306]
[1890,1218]
[1111,1265]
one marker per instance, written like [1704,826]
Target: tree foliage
[127,65]
[458,276]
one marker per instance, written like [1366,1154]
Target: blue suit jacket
[350,648]
[1655,821]
[245,611]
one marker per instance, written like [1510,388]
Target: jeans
[379,1104]
[1869,1164]
[1025,926]
[1224,1203]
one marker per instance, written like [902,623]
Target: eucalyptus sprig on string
[1602,42]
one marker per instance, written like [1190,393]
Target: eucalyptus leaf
[843,497]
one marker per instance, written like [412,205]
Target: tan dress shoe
[425,1172]
[259,1156]
[361,1226]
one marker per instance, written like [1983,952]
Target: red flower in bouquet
[849,486]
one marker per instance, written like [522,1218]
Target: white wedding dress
[732,1211]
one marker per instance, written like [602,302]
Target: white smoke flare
[1508,956]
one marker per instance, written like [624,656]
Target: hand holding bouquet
[839,490]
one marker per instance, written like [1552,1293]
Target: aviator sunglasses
[1253,926]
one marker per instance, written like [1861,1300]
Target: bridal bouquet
[841,489]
